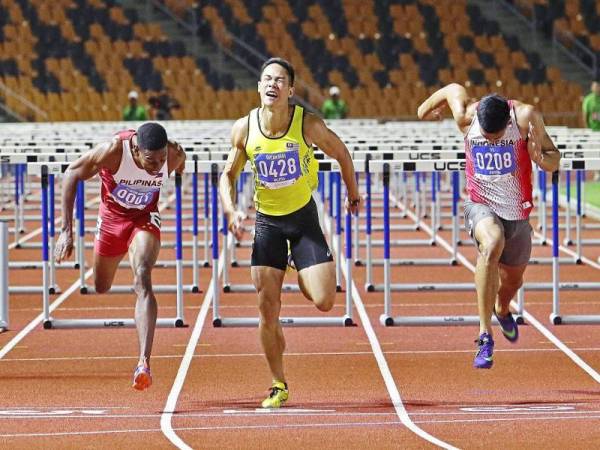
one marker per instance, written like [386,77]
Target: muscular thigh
[308,245]
[517,247]
[269,248]
[483,225]
[144,249]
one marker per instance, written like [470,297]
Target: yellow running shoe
[277,397]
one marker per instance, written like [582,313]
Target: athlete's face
[492,136]
[151,160]
[274,86]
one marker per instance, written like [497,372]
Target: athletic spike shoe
[142,378]
[278,396]
[484,358]
[508,325]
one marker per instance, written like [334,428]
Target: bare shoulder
[313,127]
[108,154]
[239,132]
[525,114]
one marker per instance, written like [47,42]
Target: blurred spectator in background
[133,111]
[161,105]
[591,108]
[591,112]
[334,107]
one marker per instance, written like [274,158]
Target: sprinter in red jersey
[133,168]
[502,138]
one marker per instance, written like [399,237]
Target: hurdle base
[125,289]
[429,321]
[55,324]
[25,289]
[3,326]
[412,287]
[591,319]
[247,322]
[416,262]
[250,288]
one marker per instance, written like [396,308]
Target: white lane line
[290,426]
[531,319]
[268,414]
[167,415]
[35,322]
[296,354]
[388,378]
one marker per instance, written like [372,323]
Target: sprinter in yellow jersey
[277,138]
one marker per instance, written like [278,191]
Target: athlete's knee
[101,286]
[142,278]
[325,300]
[491,249]
[269,312]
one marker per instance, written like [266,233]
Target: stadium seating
[77,59]
[384,55]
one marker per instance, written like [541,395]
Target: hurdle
[220,321]
[4,275]
[43,170]
[555,316]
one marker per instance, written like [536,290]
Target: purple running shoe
[484,358]
[508,325]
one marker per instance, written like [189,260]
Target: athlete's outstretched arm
[317,132]
[103,155]
[542,150]
[454,96]
[236,160]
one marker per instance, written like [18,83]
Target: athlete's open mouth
[272,94]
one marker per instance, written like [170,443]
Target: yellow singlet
[285,170]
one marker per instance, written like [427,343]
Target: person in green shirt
[133,111]
[591,112]
[591,108]
[334,107]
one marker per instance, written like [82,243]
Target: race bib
[277,170]
[130,198]
[494,159]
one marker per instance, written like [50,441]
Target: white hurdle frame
[43,170]
[4,316]
[219,321]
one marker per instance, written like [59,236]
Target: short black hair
[151,136]
[493,113]
[283,63]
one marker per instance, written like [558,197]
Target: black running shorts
[301,228]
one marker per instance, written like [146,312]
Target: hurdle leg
[22,199]
[81,236]
[348,316]
[369,274]
[455,199]
[555,315]
[179,321]
[45,272]
[578,187]
[226,285]
[17,205]
[567,240]
[215,245]
[51,219]
[206,220]
[355,235]
[338,230]
[434,199]
[195,264]
[386,318]
[4,318]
